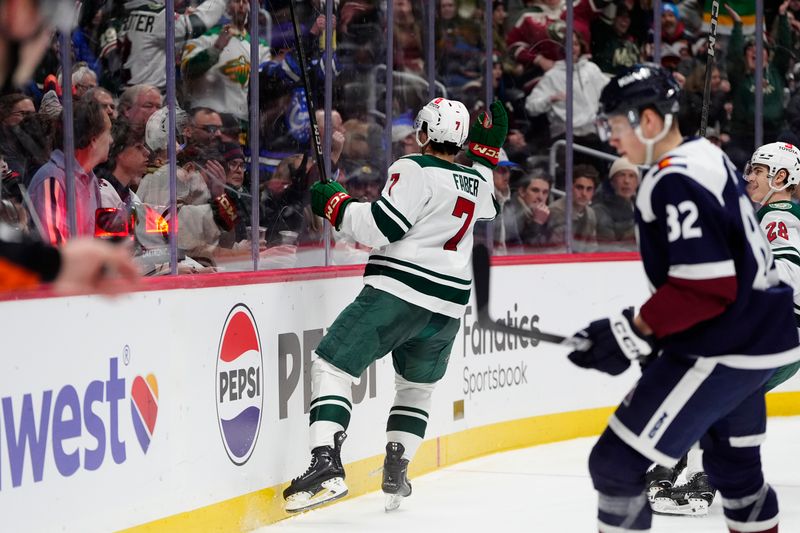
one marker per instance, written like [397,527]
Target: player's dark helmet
[640,86]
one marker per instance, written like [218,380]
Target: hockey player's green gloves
[486,138]
[329,200]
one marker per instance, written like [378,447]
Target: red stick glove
[329,200]
[486,138]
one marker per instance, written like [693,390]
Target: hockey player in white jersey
[417,282]
[772,177]
[143,38]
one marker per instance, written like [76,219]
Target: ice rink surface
[542,489]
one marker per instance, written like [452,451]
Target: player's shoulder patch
[671,162]
[785,206]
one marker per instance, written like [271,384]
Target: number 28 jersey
[420,230]
[781,223]
[698,237]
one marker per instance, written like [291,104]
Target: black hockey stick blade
[481,270]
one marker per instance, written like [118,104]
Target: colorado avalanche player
[719,319]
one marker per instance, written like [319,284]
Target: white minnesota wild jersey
[781,223]
[420,230]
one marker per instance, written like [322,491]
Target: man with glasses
[205,127]
[14,108]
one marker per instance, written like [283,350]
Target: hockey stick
[481,271]
[710,61]
[312,116]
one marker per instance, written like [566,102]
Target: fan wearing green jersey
[417,284]
[772,176]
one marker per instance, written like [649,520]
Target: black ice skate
[658,479]
[395,476]
[323,482]
[691,499]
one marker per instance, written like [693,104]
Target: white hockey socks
[408,417]
[331,402]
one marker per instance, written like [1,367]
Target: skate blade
[693,507]
[392,502]
[331,490]
[652,491]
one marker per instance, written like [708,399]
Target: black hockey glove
[615,343]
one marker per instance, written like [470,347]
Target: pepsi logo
[239,384]
[144,408]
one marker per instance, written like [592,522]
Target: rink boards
[185,408]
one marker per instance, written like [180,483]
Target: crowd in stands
[120,159]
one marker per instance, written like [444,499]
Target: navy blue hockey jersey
[696,228]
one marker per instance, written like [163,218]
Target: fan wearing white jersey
[772,176]
[417,283]
[216,66]
[143,38]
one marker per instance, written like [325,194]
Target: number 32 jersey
[704,252]
[420,230]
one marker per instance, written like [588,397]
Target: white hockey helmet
[447,122]
[155,132]
[778,156]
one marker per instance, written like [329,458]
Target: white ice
[539,489]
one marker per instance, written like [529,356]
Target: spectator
[233,156]
[27,146]
[404,141]
[231,131]
[145,52]
[672,29]
[127,160]
[499,46]
[216,65]
[105,99]
[526,215]
[285,201]
[14,108]
[138,103]
[502,193]
[613,45]
[691,101]
[83,80]
[407,38]
[584,219]
[741,64]
[458,47]
[204,127]
[533,40]
[48,187]
[614,208]
[549,97]
[201,187]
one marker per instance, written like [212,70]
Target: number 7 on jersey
[463,207]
